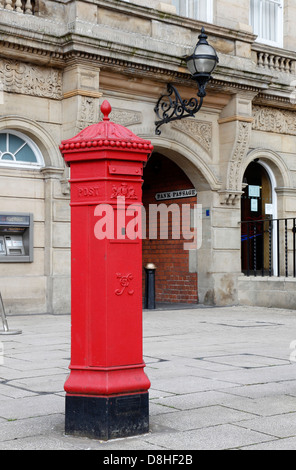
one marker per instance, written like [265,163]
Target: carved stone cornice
[57,54]
[275,99]
[42,40]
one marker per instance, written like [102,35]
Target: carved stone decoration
[27,79]
[125,117]
[87,113]
[239,152]
[124,283]
[65,187]
[128,192]
[230,198]
[274,120]
[198,130]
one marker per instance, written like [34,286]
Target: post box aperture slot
[126,168]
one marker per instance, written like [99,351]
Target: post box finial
[106,110]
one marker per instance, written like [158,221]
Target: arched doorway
[166,185]
[258,210]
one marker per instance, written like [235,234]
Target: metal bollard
[6,330]
[150,286]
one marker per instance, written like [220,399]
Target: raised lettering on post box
[106,163]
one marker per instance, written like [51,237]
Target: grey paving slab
[31,427]
[279,444]
[8,391]
[202,417]
[222,437]
[283,425]
[153,393]
[244,360]
[43,383]
[158,409]
[188,384]
[28,407]
[273,389]
[264,406]
[190,401]
[66,443]
[221,378]
[10,374]
[261,375]
[133,443]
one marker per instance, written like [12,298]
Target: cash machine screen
[16,237]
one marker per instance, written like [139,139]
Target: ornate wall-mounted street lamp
[201,64]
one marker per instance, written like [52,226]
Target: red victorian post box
[107,388]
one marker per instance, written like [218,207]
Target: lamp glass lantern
[202,62]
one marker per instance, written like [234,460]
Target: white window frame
[280,19]
[208,4]
[19,164]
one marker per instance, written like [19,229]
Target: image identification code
[149,459]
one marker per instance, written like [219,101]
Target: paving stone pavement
[221,378]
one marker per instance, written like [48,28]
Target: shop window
[196,9]
[18,150]
[266,18]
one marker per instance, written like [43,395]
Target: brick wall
[174,283]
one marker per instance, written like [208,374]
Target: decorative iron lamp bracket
[170,106]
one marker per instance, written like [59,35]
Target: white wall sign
[254,205]
[268,209]
[254,191]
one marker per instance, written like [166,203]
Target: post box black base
[107,417]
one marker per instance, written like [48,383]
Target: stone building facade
[60,58]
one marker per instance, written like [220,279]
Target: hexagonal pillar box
[107,388]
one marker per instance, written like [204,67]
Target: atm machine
[16,238]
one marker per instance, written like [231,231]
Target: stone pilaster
[80,96]
[219,258]
[57,242]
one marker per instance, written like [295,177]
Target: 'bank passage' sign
[180,193]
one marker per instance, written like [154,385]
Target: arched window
[18,150]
